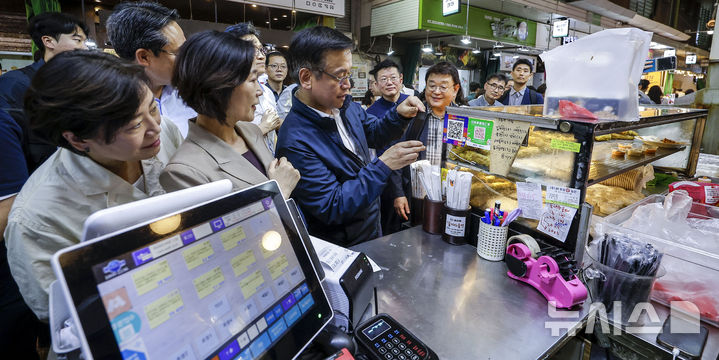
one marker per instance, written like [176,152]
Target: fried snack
[624,135]
[605,137]
[609,199]
[635,152]
[618,153]
[619,136]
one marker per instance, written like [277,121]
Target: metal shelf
[604,166]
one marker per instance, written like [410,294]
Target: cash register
[227,279]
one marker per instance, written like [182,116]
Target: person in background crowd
[368,99]
[518,93]
[148,34]
[372,84]
[276,73]
[113,143]
[284,103]
[442,90]
[474,91]
[643,87]
[52,33]
[222,142]
[19,327]
[266,116]
[389,81]
[542,89]
[656,94]
[493,90]
[326,136]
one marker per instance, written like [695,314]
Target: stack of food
[609,199]
[486,189]
[624,135]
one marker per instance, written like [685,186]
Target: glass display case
[572,154]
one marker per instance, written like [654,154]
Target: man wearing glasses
[147,33]
[493,90]
[326,137]
[276,72]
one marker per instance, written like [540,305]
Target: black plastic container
[456,225]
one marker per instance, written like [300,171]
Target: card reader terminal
[384,338]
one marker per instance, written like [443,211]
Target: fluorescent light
[427,48]
[475,51]
[466,40]
[390,52]
[515,56]
[496,54]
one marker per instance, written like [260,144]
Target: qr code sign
[455,130]
[479,132]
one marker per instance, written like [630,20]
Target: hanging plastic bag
[598,73]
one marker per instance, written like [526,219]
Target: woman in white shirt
[112,146]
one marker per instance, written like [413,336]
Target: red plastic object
[570,110]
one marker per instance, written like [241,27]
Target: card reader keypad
[395,345]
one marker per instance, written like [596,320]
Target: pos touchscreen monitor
[229,279]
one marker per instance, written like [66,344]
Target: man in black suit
[519,94]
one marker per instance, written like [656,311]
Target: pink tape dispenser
[551,271]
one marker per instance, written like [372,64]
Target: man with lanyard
[326,136]
[52,33]
[519,94]
[147,33]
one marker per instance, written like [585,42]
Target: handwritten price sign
[556,221]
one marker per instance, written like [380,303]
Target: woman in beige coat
[216,75]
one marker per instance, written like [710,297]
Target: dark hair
[208,68]
[498,77]
[52,24]
[643,84]
[689,91]
[386,64]
[274,53]
[522,61]
[88,93]
[138,25]
[542,88]
[309,46]
[446,68]
[655,93]
[242,29]
[368,98]
[474,86]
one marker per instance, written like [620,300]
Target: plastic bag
[670,222]
[599,73]
[701,290]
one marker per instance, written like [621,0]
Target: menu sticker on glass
[565,145]
[507,137]
[529,199]
[561,206]
[479,133]
[455,129]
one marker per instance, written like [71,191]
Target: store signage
[450,7]
[334,8]
[691,59]
[560,28]
[484,24]
[670,52]
[568,39]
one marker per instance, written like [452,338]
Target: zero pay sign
[507,137]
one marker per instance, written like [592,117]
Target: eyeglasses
[339,79]
[495,87]
[441,88]
[260,50]
[384,80]
[277,66]
[169,52]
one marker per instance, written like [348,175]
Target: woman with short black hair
[216,75]
[112,143]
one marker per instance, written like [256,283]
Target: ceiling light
[523,49]
[253,5]
[466,40]
[275,19]
[496,54]
[427,48]
[475,51]
[515,56]
[267,22]
[710,32]
[294,11]
[498,45]
[390,51]
[284,15]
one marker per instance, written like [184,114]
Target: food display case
[576,154]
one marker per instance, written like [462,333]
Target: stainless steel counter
[461,306]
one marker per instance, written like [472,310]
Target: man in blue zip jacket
[326,136]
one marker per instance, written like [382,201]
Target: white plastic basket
[491,241]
